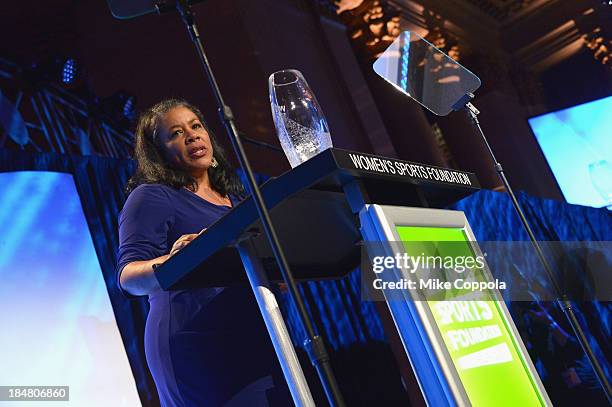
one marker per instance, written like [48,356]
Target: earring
[214,163]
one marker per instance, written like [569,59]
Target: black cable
[258,143]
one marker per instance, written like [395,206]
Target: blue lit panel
[577,143]
[56,321]
[405,58]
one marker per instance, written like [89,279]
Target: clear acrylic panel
[426,74]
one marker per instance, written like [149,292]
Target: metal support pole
[276,326]
[562,301]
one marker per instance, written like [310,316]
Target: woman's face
[185,141]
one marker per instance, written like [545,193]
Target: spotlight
[59,69]
[69,71]
[128,107]
[120,106]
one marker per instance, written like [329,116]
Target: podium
[316,202]
[320,211]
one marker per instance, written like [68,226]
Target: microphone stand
[562,301]
[314,344]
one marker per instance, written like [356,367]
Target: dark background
[530,55]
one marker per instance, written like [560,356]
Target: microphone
[127,9]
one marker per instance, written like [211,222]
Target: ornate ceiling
[536,34]
[503,10]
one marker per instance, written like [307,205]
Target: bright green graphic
[481,345]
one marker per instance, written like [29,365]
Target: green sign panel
[484,351]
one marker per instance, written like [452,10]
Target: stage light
[57,69]
[69,71]
[120,106]
[128,107]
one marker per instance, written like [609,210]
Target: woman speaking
[204,346]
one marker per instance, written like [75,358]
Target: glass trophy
[299,120]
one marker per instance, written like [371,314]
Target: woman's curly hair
[153,168]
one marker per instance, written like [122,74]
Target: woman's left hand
[183,241]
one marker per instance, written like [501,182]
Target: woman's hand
[138,278]
[183,241]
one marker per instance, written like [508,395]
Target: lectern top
[316,227]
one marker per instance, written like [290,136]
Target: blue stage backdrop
[57,321]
